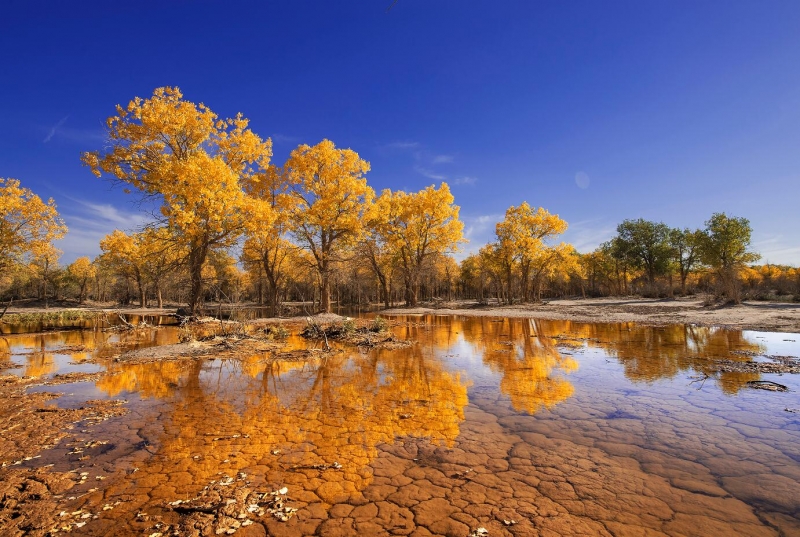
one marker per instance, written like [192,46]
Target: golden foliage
[330,194]
[27,224]
[194,162]
[416,226]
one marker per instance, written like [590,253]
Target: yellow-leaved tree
[330,196]
[27,224]
[183,155]
[123,253]
[82,270]
[416,226]
[524,233]
[266,245]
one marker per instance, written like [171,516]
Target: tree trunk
[142,297]
[197,257]
[159,296]
[411,296]
[325,292]
[525,274]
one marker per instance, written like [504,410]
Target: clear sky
[597,111]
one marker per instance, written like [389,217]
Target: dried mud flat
[29,497]
[764,316]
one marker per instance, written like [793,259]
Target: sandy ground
[765,316]
[750,315]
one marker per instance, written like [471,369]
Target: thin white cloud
[430,174]
[285,139]
[402,145]
[442,159]
[465,180]
[479,230]
[476,227]
[89,222]
[54,129]
[88,137]
[777,249]
[587,235]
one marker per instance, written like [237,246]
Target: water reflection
[390,427]
[534,354]
[533,368]
[315,425]
[650,353]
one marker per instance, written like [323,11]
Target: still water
[522,427]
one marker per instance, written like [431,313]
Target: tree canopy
[193,162]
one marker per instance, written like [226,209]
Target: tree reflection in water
[314,425]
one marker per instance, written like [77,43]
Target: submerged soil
[765,316]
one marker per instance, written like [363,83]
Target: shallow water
[563,428]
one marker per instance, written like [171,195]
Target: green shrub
[379,324]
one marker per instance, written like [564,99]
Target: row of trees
[314,227]
[215,184]
[646,256]
[525,263]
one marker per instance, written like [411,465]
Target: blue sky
[597,111]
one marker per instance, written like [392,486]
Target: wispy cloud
[285,139]
[54,129]
[777,249]
[586,235]
[430,174]
[85,137]
[479,230]
[401,145]
[465,180]
[442,159]
[89,222]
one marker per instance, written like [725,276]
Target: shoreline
[750,315]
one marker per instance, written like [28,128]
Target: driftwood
[767,385]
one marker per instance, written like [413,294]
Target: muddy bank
[763,316]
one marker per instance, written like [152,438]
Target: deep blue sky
[597,111]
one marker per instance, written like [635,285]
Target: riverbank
[764,316]
[750,315]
